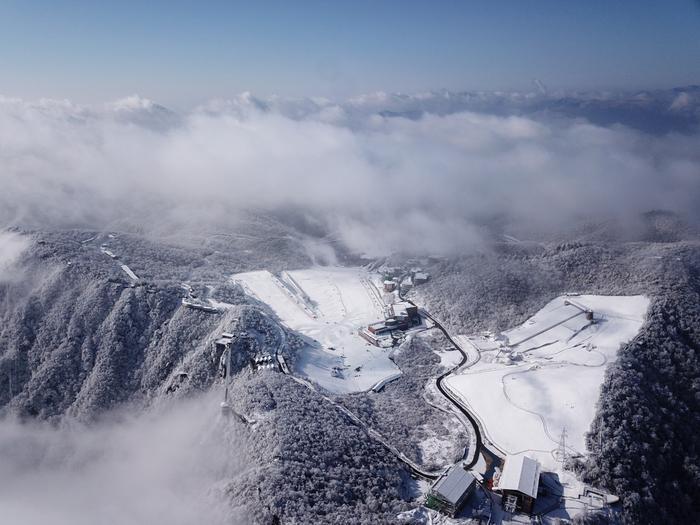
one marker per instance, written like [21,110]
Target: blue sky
[184,52]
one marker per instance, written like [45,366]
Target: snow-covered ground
[449,357]
[328,305]
[532,381]
[437,450]
[128,271]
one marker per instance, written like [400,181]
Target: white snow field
[532,381]
[328,305]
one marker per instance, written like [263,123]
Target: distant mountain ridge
[656,111]
[651,111]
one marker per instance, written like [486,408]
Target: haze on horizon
[184,53]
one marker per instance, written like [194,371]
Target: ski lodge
[420,278]
[450,492]
[401,317]
[519,483]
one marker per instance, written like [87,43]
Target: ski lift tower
[226,409]
[226,341]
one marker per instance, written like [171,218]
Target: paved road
[414,468]
[454,400]
[478,444]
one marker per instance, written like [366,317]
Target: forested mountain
[643,440]
[79,337]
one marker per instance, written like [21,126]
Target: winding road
[478,443]
[413,467]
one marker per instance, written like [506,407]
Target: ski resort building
[389,272]
[223,343]
[389,286]
[518,484]
[451,490]
[420,278]
[379,328]
[400,317]
[265,361]
[404,310]
[377,334]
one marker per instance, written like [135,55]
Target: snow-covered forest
[80,340]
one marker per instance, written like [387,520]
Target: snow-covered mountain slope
[544,376]
[79,337]
[80,340]
[649,396]
[328,305]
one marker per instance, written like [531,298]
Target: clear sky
[184,52]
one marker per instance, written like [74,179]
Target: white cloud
[384,183]
[158,467]
[681,101]
[12,245]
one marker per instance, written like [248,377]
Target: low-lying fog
[157,467]
[379,183]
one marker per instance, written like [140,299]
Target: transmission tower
[561,450]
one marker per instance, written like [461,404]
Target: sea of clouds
[380,181]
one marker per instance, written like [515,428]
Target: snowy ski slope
[546,374]
[328,305]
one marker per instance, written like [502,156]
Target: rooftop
[452,486]
[522,474]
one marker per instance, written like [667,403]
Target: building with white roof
[518,483]
[451,490]
[420,278]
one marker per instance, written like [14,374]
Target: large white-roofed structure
[519,483]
